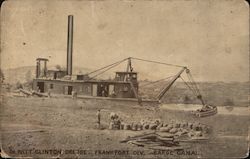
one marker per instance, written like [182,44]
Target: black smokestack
[70,45]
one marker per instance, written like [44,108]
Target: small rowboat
[208,110]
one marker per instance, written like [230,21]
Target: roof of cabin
[40,59]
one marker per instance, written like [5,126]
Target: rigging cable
[156,62]
[156,81]
[193,83]
[192,89]
[107,66]
[114,65]
[195,86]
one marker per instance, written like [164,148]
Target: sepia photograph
[149,79]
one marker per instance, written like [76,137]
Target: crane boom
[161,94]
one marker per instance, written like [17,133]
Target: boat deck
[108,98]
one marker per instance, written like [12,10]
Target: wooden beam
[136,95]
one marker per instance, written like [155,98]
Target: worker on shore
[74,94]
[49,93]
[98,114]
[113,116]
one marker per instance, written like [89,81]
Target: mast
[129,69]
[129,65]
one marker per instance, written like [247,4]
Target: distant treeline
[216,93]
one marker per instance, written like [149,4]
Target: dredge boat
[124,86]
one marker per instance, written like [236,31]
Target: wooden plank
[136,137]
[25,92]
[40,94]
[23,131]
[165,139]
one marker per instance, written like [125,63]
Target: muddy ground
[58,127]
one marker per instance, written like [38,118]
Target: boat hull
[210,112]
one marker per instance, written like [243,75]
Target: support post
[129,64]
[45,68]
[37,69]
[135,92]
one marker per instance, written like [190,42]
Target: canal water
[227,110]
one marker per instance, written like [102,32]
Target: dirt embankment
[50,123]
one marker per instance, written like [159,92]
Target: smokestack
[70,45]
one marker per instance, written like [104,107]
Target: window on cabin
[51,86]
[87,89]
[134,76]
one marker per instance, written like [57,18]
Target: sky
[210,37]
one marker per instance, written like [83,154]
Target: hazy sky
[211,37]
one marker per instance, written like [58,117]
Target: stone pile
[176,128]
[166,136]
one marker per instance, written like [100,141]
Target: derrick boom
[161,94]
